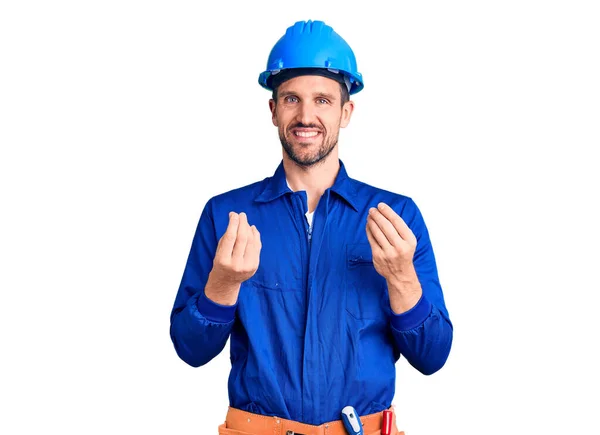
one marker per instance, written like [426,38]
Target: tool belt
[240,422]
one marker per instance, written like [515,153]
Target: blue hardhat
[312,44]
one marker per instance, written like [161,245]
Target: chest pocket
[279,269]
[366,290]
[274,281]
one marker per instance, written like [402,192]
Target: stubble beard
[328,144]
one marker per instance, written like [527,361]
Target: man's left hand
[393,245]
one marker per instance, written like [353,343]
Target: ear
[347,110]
[273,108]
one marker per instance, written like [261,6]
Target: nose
[306,113]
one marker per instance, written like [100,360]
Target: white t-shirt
[309,215]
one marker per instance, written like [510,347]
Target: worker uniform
[312,330]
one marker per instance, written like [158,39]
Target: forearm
[200,326]
[423,336]
[420,323]
[200,330]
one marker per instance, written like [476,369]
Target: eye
[322,101]
[291,99]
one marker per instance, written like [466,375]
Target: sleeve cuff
[413,317]
[215,312]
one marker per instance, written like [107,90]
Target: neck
[314,179]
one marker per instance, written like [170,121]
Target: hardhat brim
[356,83]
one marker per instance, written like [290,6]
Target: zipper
[305,258]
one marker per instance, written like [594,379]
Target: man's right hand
[236,260]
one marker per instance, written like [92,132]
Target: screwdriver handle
[386,424]
[352,421]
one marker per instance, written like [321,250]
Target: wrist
[404,291]
[404,281]
[221,291]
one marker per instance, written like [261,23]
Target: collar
[276,186]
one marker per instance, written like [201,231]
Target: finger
[375,247]
[257,240]
[401,228]
[378,235]
[242,238]
[253,239]
[228,240]
[253,247]
[386,227]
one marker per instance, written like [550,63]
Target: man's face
[308,114]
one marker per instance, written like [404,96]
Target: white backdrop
[120,119]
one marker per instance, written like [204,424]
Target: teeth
[306,133]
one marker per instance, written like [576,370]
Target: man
[320,281]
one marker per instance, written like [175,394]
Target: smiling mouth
[306,134]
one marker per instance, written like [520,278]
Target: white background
[120,119]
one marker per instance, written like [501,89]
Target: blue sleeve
[423,334]
[200,327]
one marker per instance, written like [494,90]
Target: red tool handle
[386,424]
